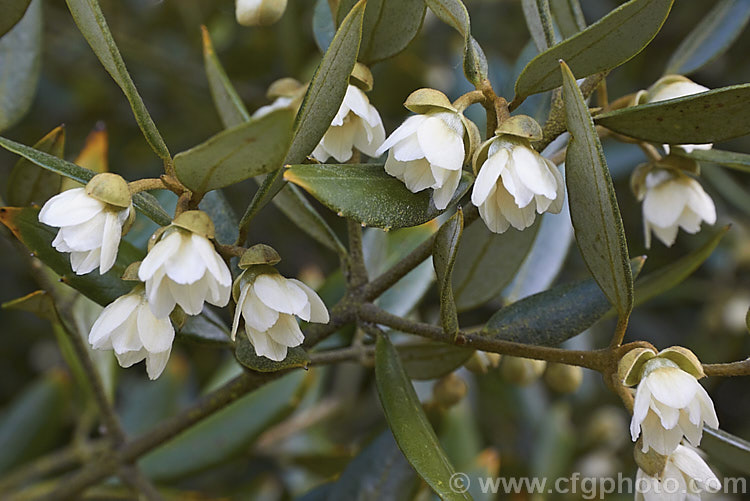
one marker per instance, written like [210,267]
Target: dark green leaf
[387,27]
[37,237]
[245,353]
[454,14]
[553,316]
[726,448]
[38,302]
[406,418]
[568,16]
[143,403]
[708,117]
[593,204]
[20,64]
[292,202]
[606,44]
[225,434]
[443,258]
[431,360]
[216,205]
[144,202]
[233,155]
[379,471]
[487,262]
[367,194]
[228,103]
[207,327]
[738,161]
[90,20]
[13,11]
[29,183]
[674,273]
[539,21]
[716,32]
[25,425]
[323,26]
[727,186]
[327,87]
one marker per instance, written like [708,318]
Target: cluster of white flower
[182,268]
[672,199]
[670,406]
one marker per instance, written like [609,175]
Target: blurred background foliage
[525,430]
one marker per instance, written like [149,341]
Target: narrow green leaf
[716,32]
[674,273]
[553,316]
[29,183]
[380,470]
[38,302]
[606,44]
[90,20]
[454,14]
[443,258]
[480,275]
[539,21]
[26,429]
[245,353]
[367,194]
[324,27]
[708,117]
[406,418]
[327,87]
[20,64]
[726,448]
[568,16]
[233,155]
[37,237]
[431,360]
[13,11]
[388,26]
[727,186]
[738,161]
[593,204]
[228,103]
[289,200]
[225,434]
[144,202]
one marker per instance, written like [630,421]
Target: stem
[472,97]
[356,269]
[650,150]
[140,483]
[619,335]
[741,368]
[147,184]
[229,251]
[385,281]
[545,16]
[183,203]
[169,169]
[597,360]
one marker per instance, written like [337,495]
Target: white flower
[515,183]
[279,103]
[90,230]
[670,404]
[672,201]
[268,305]
[259,12]
[357,124]
[130,328]
[673,87]
[184,268]
[427,151]
[685,477]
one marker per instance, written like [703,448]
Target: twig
[741,368]
[139,482]
[356,269]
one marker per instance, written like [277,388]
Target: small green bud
[259,13]
[259,254]
[195,221]
[521,126]
[631,365]
[362,77]
[428,100]
[522,371]
[651,462]
[563,378]
[449,390]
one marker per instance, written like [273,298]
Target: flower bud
[259,12]
[563,378]
[362,77]
[521,126]
[449,390]
[522,371]
[110,189]
[481,362]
